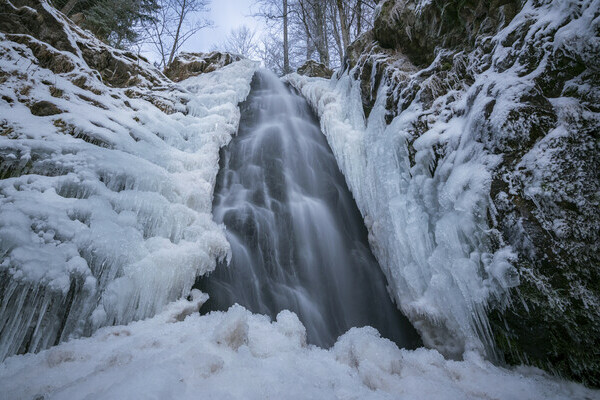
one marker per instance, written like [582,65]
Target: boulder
[315,69]
[186,65]
[44,108]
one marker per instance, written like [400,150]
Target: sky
[227,15]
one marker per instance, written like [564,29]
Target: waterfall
[298,240]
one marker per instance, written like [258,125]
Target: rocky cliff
[526,75]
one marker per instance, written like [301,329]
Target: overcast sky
[226,14]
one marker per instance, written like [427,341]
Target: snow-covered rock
[314,69]
[186,65]
[107,173]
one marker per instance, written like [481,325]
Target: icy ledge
[238,355]
[106,193]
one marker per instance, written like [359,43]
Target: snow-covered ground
[238,355]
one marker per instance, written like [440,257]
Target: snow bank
[105,201]
[239,355]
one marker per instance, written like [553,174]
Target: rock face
[419,26]
[28,23]
[526,76]
[186,65]
[313,69]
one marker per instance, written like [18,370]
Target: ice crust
[425,200]
[105,212]
[239,355]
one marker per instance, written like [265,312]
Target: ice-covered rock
[474,163]
[105,189]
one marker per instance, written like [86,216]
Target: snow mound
[194,358]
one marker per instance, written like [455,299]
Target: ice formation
[238,355]
[427,206]
[427,230]
[105,201]
[105,218]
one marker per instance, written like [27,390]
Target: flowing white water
[298,240]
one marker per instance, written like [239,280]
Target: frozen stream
[297,237]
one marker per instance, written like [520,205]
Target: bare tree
[337,22]
[286,42]
[241,41]
[277,12]
[343,11]
[173,24]
[313,15]
[321,28]
[359,17]
[271,53]
[362,12]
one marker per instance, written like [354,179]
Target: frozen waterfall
[298,240]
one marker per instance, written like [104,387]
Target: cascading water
[297,238]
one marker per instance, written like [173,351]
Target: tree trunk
[310,42]
[321,28]
[177,33]
[358,17]
[286,45]
[343,23]
[69,7]
[336,35]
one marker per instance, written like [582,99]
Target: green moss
[564,341]
[446,66]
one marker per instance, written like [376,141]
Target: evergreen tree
[116,21]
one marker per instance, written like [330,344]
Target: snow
[240,355]
[105,212]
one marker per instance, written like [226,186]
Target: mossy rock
[418,28]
